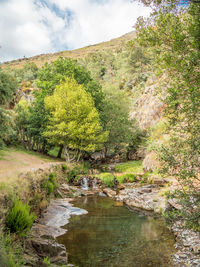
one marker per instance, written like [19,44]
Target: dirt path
[13,162]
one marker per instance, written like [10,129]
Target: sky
[32,27]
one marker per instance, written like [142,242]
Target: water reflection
[113,236]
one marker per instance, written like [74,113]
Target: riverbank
[141,194]
[141,198]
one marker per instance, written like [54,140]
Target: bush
[50,185]
[19,219]
[107,179]
[52,178]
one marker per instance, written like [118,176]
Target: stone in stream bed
[59,212]
[109,192]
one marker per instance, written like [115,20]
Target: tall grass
[10,252]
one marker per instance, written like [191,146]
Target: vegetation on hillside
[84,106]
[8,87]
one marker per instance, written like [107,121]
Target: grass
[10,252]
[33,153]
[6,152]
[107,179]
[54,153]
[3,153]
[129,167]
[131,177]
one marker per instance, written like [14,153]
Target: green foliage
[74,120]
[107,179]
[129,167]
[25,74]
[50,184]
[10,252]
[48,77]
[116,119]
[19,219]
[8,87]
[127,177]
[172,215]
[175,45]
[55,73]
[77,171]
[64,167]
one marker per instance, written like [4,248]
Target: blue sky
[31,27]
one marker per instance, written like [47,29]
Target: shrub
[19,219]
[107,179]
[52,177]
[50,185]
[50,188]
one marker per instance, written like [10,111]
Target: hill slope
[39,60]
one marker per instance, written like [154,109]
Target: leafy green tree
[174,39]
[74,121]
[8,88]
[54,73]
[116,120]
[49,76]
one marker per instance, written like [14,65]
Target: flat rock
[109,192]
[59,212]
[144,197]
[174,203]
[45,231]
[120,187]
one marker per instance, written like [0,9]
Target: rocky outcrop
[42,241]
[146,197]
[149,105]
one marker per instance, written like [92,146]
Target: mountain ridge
[41,59]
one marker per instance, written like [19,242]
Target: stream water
[113,236]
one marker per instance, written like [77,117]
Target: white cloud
[97,21]
[29,27]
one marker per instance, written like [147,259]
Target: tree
[8,87]
[54,73]
[74,121]
[116,120]
[49,76]
[174,39]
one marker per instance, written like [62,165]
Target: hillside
[39,60]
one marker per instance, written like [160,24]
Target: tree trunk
[78,157]
[67,155]
[60,151]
